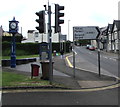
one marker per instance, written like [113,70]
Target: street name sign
[85,32]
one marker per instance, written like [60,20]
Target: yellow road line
[69,63]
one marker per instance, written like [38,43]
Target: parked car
[87,46]
[92,48]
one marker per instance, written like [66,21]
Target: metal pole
[68,29]
[50,45]
[65,46]
[59,41]
[99,70]
[42,37]
[73,55]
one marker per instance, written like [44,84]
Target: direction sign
[85,32]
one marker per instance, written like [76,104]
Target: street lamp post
[68,28]
[13,52]
[13,28]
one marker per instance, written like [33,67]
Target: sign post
[99,70]
[86,33]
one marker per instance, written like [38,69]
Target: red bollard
[34,70]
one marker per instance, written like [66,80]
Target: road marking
[64,90]
[113,59]
[105,57]
[97,89]
[67,90]
[69,63]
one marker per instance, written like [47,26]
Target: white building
[116,34]
[1,31]
[35,37]
[110,38]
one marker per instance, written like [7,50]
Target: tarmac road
[87,60]
[103,97]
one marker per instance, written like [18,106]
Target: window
[36,34]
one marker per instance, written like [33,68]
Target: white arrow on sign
[86,32]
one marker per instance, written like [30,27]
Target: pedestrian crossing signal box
[44,51]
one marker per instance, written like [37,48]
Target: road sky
[79,12]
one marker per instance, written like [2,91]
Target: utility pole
[68,28]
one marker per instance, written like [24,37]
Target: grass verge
[20,57]
[11,79]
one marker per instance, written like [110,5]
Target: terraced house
[110,37]
[113,33]
[116,35]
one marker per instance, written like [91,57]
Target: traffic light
[41,21]
[58,21]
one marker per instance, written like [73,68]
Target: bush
[6,52]
[18,38]
[29,48]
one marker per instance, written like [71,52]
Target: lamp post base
[13,61]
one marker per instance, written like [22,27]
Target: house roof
[109,27]
[117,23]
[31,31]
[103,30]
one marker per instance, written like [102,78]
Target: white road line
[105,57]
[113,59]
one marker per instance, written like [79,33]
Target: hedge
[18,38]
[29,48]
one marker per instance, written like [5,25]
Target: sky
[77,13]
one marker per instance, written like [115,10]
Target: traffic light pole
[58,21]
[50,45]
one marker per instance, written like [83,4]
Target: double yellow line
[69,63]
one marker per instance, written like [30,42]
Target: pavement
[64,74]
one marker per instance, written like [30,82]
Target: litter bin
[34,70]
[45,70]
